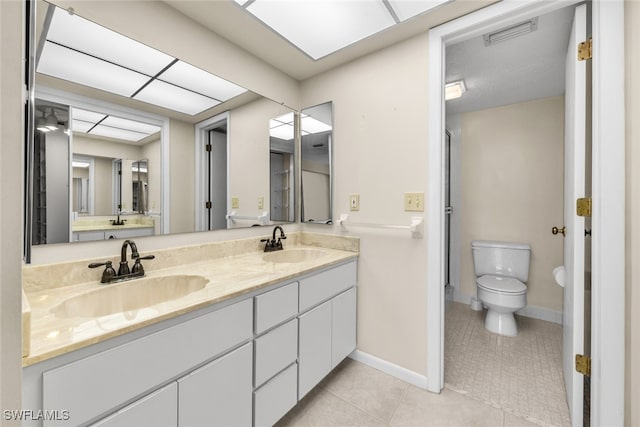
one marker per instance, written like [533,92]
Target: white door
[574,187]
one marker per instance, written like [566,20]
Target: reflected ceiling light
[82,52]
[52,120]
[41,124]
[321,27]
[454,90]
[80,164]
[282,127]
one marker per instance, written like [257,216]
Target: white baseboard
[532,311]
[390,368]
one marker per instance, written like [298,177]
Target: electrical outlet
[260,202]
[354,202]
[235,203]
[414,202]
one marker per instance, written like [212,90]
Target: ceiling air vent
[511,32]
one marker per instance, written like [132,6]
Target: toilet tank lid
[501,245]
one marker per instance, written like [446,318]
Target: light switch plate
[260,202]
[354,202]
[414,202]
[235,203]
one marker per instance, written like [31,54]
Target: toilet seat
[503,285]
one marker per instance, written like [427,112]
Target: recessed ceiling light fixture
[454,90]
[321,27]
[511,32]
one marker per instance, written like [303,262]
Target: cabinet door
[159,409]
[314,356]
[220,393]
[343,329]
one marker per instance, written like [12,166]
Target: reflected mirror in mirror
[242,197]
[281,161]
[316,130]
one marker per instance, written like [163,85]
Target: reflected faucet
[118,221]
[273,245]
[124,273]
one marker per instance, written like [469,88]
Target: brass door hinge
[583,364]
[585,50]
[583,206]
[208,147]
[207,205]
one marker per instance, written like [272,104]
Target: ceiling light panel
[311,125]
[111,132]
[406,9]
[67,64]
[319,28]
[197,80]
[81,126]
[86,36]
[86,115]
[284,131]
[175,98]
[132,125]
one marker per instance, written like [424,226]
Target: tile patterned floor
[521,375]
[491,381]
[355,394]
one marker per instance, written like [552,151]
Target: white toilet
[502,269]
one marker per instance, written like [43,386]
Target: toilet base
[501,323]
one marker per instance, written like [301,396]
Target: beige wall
[632,354]
[512,181]
[380,152]
[11,148]
[182,176]
[103,186]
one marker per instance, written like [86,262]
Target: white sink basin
[294,255]
[132,295]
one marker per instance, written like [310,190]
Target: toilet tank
[508,259]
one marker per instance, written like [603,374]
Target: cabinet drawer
[322,286]
[129,370]
[159,409]
[276,306]
[276,398]
[275,351]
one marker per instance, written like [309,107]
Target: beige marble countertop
[228,277]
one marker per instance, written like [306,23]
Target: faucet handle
[137,266]
[108,274]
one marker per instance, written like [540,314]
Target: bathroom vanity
[242,350]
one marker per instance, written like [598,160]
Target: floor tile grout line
[355,406]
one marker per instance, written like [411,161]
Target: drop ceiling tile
[67,64]
[320,28]
[86,36]
[174,98]
[200,81]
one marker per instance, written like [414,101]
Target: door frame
[201,139]
[608,192]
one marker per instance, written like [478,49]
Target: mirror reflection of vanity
[155,182]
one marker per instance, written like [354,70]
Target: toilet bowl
[502,268]
[502,296]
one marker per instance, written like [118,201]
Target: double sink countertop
[77,311]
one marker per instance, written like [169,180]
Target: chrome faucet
[273,245]
[124,273]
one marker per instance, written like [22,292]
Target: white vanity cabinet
[242,362]
[88,236]
[328,331]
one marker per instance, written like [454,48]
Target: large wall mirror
[316,129]
[133,137]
